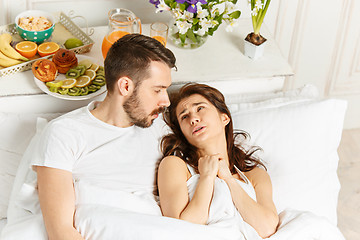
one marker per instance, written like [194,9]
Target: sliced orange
[91,73]
[94,67]
[27,48]
[48,48]
[68,83]
[83,81]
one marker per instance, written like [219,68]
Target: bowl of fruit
[35,25]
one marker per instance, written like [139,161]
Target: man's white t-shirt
[105,161]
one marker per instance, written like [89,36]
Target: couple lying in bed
[204,176]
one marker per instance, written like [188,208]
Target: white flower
[218,9]
[177,14]
[183,26]
[230,25]
[201,13]
[188,15]
[200,32]
[230,7]
[258,5]
[254,12]
[162,7]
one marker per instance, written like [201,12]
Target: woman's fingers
[209,165]
[224,171]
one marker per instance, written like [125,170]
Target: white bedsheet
[105,222]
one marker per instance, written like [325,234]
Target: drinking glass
[159,31]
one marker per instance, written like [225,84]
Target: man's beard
[135,112]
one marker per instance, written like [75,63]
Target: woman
[205,178]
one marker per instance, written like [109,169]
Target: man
[107,146]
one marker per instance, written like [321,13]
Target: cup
[159,31]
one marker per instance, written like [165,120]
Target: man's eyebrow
[193,105]
[160,86]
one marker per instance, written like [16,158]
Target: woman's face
[200,121]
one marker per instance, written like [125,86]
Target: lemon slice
[55,84]
[91,73]
[86,62]
[94,67]
[83,81]
[68,83]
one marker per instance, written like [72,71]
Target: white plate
[45,89]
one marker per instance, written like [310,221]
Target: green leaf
[168,2]
[182,7]
[235,14]
[195,21]
[234,1]
[182,37]
[173,5]
[190,34]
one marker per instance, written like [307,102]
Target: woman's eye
[199,108]
[183,117]
[157,91]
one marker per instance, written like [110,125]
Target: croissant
[44,70]
[64,60]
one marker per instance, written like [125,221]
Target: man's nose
[164,101]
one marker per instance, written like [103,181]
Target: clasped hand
[213,166]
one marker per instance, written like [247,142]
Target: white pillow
[16,133]
[299,142]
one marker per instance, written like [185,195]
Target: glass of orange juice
[159,31]
[121,23]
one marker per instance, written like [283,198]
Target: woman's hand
[209,165]
[224,171]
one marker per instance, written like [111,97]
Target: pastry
[44,70]
[64,60]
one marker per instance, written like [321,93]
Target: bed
[298,132]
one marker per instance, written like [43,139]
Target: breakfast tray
[64,28]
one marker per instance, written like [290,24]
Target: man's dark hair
[131,55]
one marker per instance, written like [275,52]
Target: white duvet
[106,221]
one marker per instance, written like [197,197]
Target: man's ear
[125,86]
[225,119]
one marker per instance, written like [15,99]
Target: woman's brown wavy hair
[176,144]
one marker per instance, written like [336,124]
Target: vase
[253,51]
[174,36]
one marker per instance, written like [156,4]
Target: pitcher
[121,22]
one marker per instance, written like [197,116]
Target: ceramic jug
[121,22]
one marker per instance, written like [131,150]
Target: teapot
[121,23]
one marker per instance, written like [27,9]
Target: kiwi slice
[63,91]
[84,91]
[75,91]
[72,73]
[93,88]
[100,77]
[99,82]
[81,69]
[53,89]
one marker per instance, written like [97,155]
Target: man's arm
[57,202]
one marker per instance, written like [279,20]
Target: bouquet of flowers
[194,20]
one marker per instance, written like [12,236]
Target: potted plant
[195,20]
[254,42]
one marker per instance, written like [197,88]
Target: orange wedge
[48,48]
[68,83]
[83,81]
[27,48]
